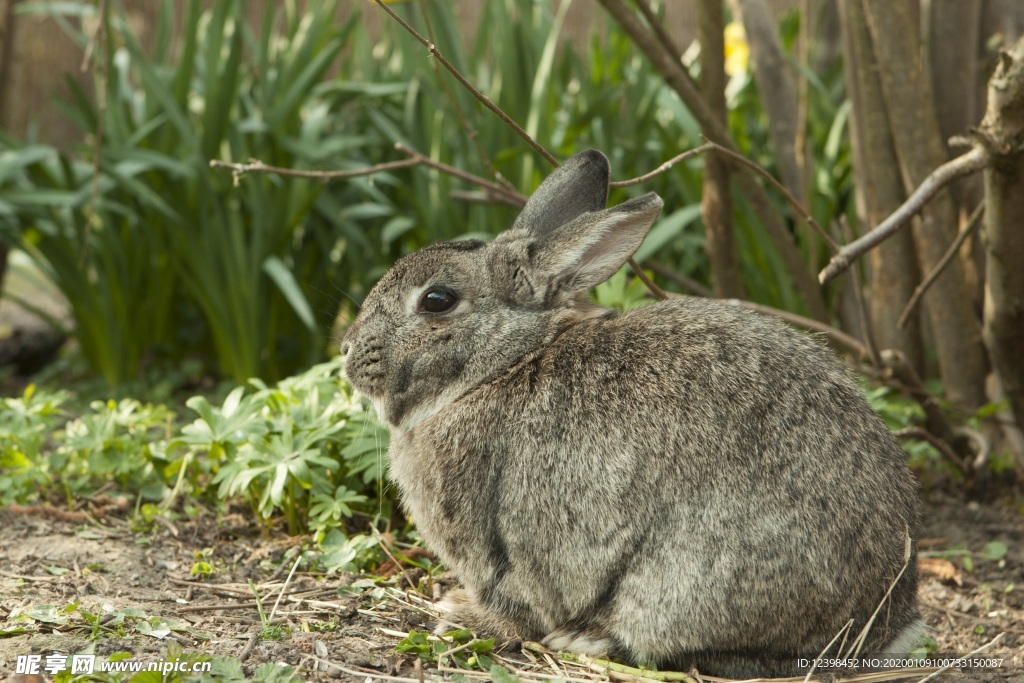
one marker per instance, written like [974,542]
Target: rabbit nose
[345,348]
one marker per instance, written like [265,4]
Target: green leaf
[501,675]
[12,632]
[288,286]
[665,230]
[48,614]
[994,551]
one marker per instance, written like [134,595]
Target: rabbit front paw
[592,642]
[460,610]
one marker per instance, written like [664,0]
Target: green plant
[162,254]
[457,647]
[296,447]
[304,447]
[993,551]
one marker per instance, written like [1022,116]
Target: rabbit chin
[423,411]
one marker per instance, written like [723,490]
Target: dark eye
[438,301]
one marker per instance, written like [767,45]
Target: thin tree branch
[512,195]
[472,134]
[895,364]
[837,336]
[922,434]
[677,78]
[486,101]
[659,30]
[257,166]
[500,192]
[696,151]
[863,315]
[790,199]
[972,224]
[686,283]
[971,162]
[657,291]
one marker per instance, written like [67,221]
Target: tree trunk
[777,88]
[716,197]
[919,147]
[1003,127]
[879,192]
[676,77]
[953,30]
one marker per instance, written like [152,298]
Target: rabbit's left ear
[588,250]
[577,186]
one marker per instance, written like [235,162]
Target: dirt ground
[135,592]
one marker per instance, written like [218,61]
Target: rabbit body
[686,484]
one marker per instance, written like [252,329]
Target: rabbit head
[447,317]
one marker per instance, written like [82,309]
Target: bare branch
[687,283]
[838,337]
[472,134]
[654,289]
[835,335]
[498,192]
[486,101]
[971,162]
[922,434]
[257,166]
[972,224]
[863,316]
[514,197]
[790,199]
[696,151]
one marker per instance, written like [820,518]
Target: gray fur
[687,484]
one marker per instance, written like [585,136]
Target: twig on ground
[953,662]
[249,645]
[387,551]
[971,162]
[284,587]
[972,224]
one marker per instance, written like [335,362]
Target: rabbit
[687,484]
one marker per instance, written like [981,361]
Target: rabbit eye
[438,301]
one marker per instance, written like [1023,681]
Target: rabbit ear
[588,250]
[577,186]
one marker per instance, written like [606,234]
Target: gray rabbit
[687,484]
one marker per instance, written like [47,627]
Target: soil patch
[97,587]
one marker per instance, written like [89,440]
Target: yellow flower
[737,51]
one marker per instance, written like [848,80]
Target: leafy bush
[304,447]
